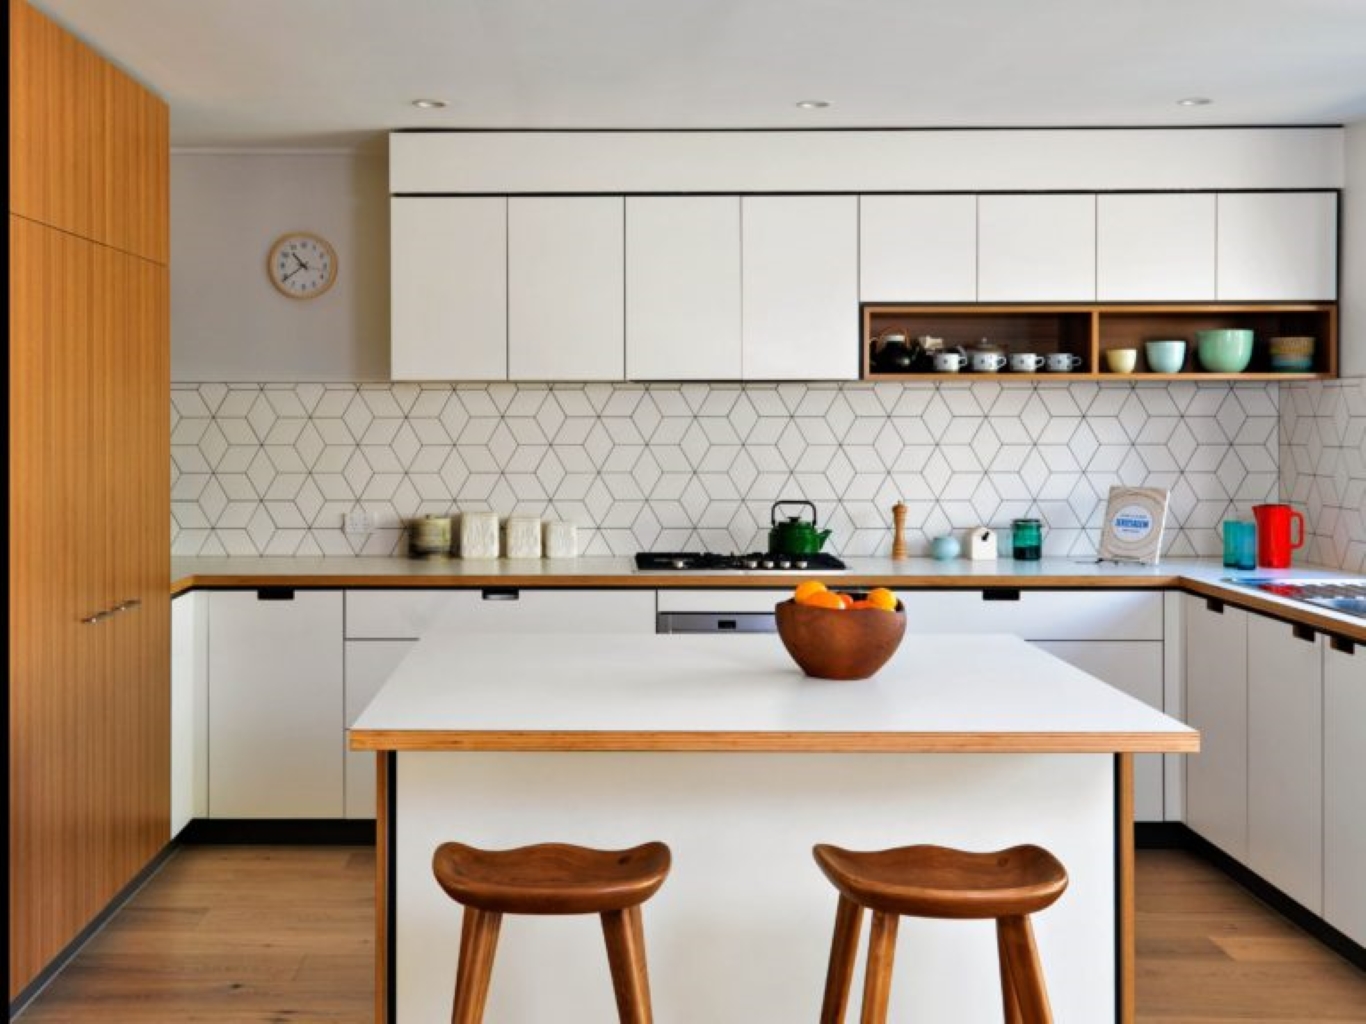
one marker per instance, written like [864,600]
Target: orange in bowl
[830,642]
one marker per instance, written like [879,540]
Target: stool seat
[551,878]
[939,882]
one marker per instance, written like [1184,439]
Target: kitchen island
[720,747]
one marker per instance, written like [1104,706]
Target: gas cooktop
[1346,596]
[707,561]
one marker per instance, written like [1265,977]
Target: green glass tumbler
[1026,540]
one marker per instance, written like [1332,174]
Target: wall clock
[302,265]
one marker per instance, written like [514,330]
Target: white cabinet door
[1136,668]
[683,288]
[275,705]
[369,664]
[566,284]
[1285,759]
[1036,248]
[1151,247]
[800,287]
[918,248]
[1278,246]
[1216,704]
[1344,789]
[411,615]
[448,288]
[189,709]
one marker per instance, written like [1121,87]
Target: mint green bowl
[1227,350]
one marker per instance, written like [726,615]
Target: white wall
[1352,297]
[227,322]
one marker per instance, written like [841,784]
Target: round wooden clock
[302,265]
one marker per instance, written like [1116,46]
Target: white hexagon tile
[1323,468]
[274,468]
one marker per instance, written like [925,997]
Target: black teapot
[894,351]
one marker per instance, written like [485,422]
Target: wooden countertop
[942,694]
[1206,577]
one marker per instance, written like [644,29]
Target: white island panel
[740,931]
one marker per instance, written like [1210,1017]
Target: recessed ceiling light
[429,104]
[813,104]
[1194,101]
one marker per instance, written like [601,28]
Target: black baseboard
[278,831]
[58,962]
[1350,950]
[1160,835]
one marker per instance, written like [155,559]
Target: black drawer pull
[1343,644]
[275,594]
[1000,594]
[501,594]
[727,625]
[1304,632]
[1215,605]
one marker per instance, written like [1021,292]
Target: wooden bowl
[851,643]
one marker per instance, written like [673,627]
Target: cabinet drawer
[721,600]
[408,615]
[1037,614]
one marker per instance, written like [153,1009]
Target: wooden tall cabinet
[89,487]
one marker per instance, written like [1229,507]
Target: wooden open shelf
[1089,330]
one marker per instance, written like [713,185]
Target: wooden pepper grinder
[898,530]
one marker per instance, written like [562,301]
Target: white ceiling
[326,73]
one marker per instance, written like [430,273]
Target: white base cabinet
[189,709]
[1285,759]
[1344,787]
[1216,704]
[275,705]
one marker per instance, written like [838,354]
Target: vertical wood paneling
[137,168]
[89,493]
[57,128]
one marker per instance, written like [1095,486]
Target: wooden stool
[934,881]
[551,878]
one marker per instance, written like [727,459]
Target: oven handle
[715,622]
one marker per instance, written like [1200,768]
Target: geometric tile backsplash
[1323,467]
[272,468]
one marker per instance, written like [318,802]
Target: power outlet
[358,520]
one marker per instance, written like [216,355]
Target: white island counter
[719,746]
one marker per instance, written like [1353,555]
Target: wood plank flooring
[265,935]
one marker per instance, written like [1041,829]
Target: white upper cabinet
[800,286]
[1036,248]
[448,280]
[683,288]
[1155,247]
[565,294]
[1278,246]
[918,248]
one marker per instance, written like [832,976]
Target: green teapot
[794,535]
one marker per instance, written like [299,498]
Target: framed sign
[1134,518]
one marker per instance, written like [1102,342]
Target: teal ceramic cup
[1165,356]
[1227,350]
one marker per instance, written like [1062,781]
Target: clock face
[302,266]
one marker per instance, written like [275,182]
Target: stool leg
[1026,975]
[839,976]
[478,943]
[1012,1007]
[626,957]
[877,981]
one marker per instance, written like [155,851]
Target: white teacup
[1063,362]
[988,362]
[1026,362]
[949,362]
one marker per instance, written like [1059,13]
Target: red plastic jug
[1276,536]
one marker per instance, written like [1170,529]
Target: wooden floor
[265,935]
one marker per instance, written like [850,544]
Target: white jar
[523,537]
[479,535]
[561,540]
